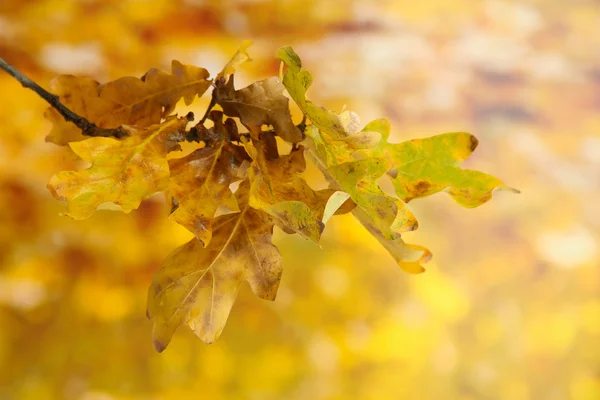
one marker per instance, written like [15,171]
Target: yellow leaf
[279,190]
[197,286]
[240,57]
[408,256]
[200,184]
[335,202]
[353,159]
[123,171]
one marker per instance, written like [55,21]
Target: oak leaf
[383,216]
[240,57]
[338,203]
[352,159]
[261,103]
[200,183]
[297,81]
[279,190]
[197,286]
[422,167]
[343,127]
[334,139]
[408,256]
[358,179]
[125,101]
[122,171]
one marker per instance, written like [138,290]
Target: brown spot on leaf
[381,213]
[474,143]
[419,189]
[321,226]
[414,226]
[159,345]
[174,205]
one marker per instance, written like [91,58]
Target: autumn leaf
[261,103]
[344,127]
[334,140]
[197,286]
[240,57]
[297,81]
[200,183]
[422,167]
[338,203]
[408,256]
[353,159]
[334,152]
[358,179]
[279,190]
[125,101]
[122,171]
[383,216]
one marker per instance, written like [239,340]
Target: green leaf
[353,159]
[422,167]
[358,179]
[297,81]
[408,256]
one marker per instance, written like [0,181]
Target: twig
[87,128]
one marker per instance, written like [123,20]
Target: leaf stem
[213,102]
[302,124]
[87,128]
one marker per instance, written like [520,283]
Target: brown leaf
[197,286]
[125,101]
[261,103]
[200,184]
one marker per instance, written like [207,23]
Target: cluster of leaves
[236,186]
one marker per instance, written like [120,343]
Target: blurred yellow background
[509,307]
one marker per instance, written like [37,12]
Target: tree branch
[87,128]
